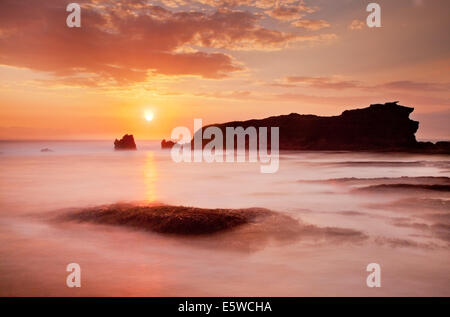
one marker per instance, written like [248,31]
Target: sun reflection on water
[151,176]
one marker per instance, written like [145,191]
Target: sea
[392,209]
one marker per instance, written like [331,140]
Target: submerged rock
[126,143]
[249,227]
[169,219]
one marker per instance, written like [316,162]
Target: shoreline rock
[377,128]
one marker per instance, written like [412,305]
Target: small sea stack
[126,143]
[167,144]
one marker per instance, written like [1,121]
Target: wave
[443,165]
[414,204]
[404,187]
[429,180]
[376,164]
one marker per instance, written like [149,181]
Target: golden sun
[149,116]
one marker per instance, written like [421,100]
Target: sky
[218,60]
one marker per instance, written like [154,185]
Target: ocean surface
[390,209]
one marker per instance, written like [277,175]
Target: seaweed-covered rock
[248,229]
[169,219]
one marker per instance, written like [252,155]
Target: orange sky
[218,60]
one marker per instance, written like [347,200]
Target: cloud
[115,44]
[404,243]
[313,25]
[357,25]
[322,100]
[261,4]
[237,94]
[125,42]
[335,83]
[238,30]
[415,86]
[323,82]
[288,12]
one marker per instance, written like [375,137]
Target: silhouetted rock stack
[167,144]
[380,127]
[126,143]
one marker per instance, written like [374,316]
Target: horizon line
[66,140]
[159,140]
